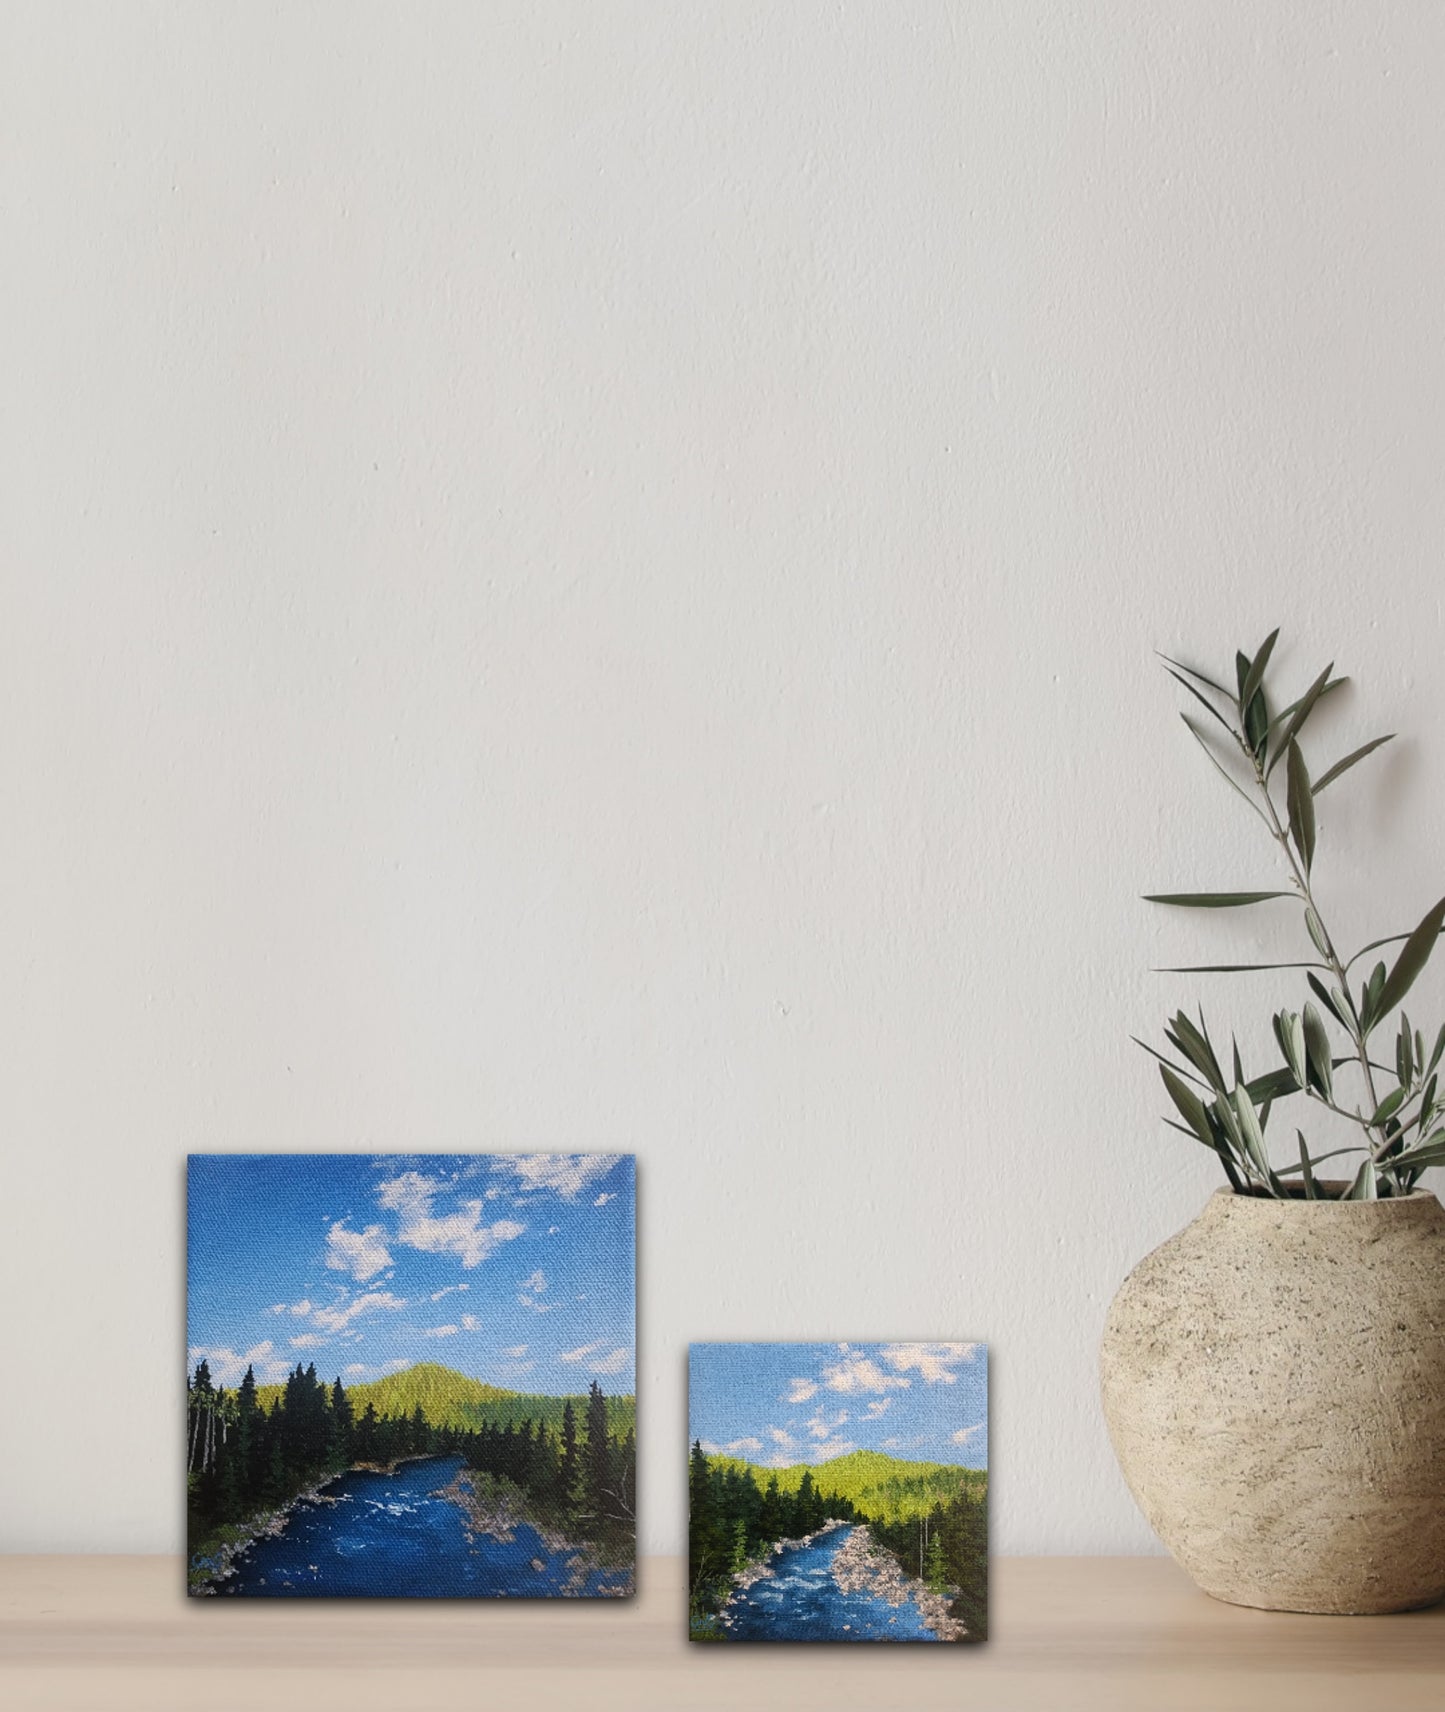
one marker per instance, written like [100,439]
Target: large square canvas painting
[411,1376]
[838,1492]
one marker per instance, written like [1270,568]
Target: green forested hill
[450,1399]
[883,1487]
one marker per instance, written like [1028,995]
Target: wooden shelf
[1129,1634]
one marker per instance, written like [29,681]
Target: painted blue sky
[783,1403]
[512,1268]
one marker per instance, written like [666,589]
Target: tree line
[948,1547]
[732,1521]
[243,1459]
[583,1476]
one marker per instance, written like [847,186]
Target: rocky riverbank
[215,1560]
[859,1566]
[496,1508]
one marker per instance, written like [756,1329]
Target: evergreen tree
[596,1457]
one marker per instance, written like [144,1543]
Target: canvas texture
[838,1492]
[411,1377]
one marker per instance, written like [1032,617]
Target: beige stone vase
[1274,1384]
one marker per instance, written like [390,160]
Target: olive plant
[1398,1110]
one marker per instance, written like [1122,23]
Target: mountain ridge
[452,1399]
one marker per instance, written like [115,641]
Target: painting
[411,1376]
[838,1492]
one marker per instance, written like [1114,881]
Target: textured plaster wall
[585,576]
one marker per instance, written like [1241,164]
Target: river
[801,1601]
[392,1536]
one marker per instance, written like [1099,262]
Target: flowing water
[801,1601]
[392,1536]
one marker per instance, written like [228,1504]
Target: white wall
[585,576]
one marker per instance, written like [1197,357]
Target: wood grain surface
[116,1633]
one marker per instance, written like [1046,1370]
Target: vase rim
[1415,1198]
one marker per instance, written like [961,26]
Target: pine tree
[569,1471]
[596,1457]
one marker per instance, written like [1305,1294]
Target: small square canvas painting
[838,1492]
[410,1376]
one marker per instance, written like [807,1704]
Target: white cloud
[613,1363]
[338,1318]
[933,1362]
[536,1306]
[516,1352]
[361,1253]
[708,1448]
[820,1426]
[879,1406]
[462,1233]
[553,1229]
[308,1340]
[536,1282]
[893,1444]
[301,1309]
[566,1174]
[800,1390]
[581,1353]
[397,1365]
[355,1369]
[602,1200]
[778,1436]
[470,1323]
[451,1290]
[441,1331]
[964,1434]
[857,1373]
[280,1308]
[228,1368]
[834,1447]
[748,1447]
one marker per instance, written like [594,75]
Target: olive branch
[1403,1127]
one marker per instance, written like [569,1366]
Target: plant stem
[1302,884]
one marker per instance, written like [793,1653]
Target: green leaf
[1273,1085]
[1255,676]
[1318,1057]
[1203,700]
[1289,1032]
[1198,676]
[1190,1106]
[1405,1054]
[1197,1049]
[1232,968]
[1316,930]
[1220,768]
[1285,713]
[1388,1107]
[1370,997]
[1301,805]
[1312,1192]
[1431,1151]
[1304,707]
[1437,1050]
[1331,774]
[1412,959]
[1365,1186]
[1178,1069]
[1212,900]
[1329,1000]
[1251,1133]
